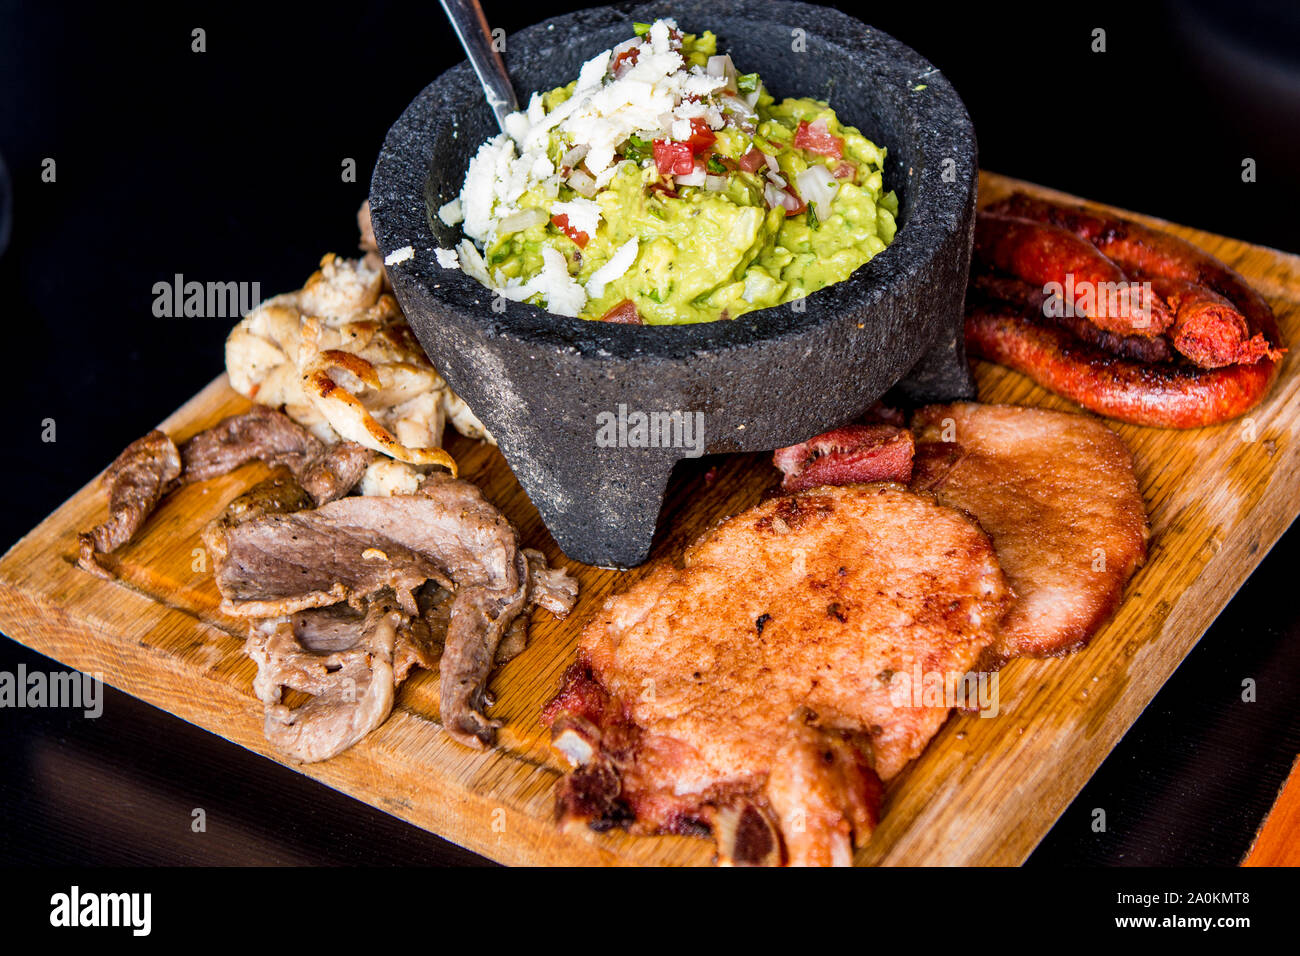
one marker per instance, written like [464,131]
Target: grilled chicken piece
[755,682]
[136,480]
[1057,494]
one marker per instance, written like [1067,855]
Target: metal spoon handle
[475,36]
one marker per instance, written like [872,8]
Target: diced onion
[739,107]
[777,178]
[574,156]
[723,67]
[472,263]
[582,183]
[715,184]
[776,196]
[818,186]
[696,177]
[519,221]
[772,164]
[752,99]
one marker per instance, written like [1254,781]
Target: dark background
[225,166]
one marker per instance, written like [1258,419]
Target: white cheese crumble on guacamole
[663,187]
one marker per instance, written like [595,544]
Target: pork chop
[1057,494]
[750,690]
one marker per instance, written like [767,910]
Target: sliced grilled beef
[259,433]
[421,639]
[136,480]
[551,588]
[480,615]
[281,563]
[352,549]
[279,494]
[340,656]
[336,471]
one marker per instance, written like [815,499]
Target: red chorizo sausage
[1032,301]
[1043,253]
[1162,394]
[1209,329]
[1148,251]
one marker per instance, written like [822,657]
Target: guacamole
[663,187]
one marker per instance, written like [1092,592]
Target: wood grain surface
[984,792]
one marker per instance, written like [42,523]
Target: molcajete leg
[601,506]
[942,374]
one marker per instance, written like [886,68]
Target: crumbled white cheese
[654,95]
[614,269]
[659,35]
[561,292]
[447,258]
[592,72]
[584,214]
[699,84]
[450,213]
[536,109]
[479,195]
[399,255]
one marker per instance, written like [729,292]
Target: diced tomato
[561,222]
[624,313]
[751,161]
[816,138]
[674,158]
[701,136]
[628,56]
[846,170]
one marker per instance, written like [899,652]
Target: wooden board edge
[47,629]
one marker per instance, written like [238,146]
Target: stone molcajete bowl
[774,377]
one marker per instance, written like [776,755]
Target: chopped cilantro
[747,82]
[637,149]
[813,221]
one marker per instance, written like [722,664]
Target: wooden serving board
[984,792]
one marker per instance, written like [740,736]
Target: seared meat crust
[689,682]
[1057,494]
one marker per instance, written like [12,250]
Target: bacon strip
[854,453]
